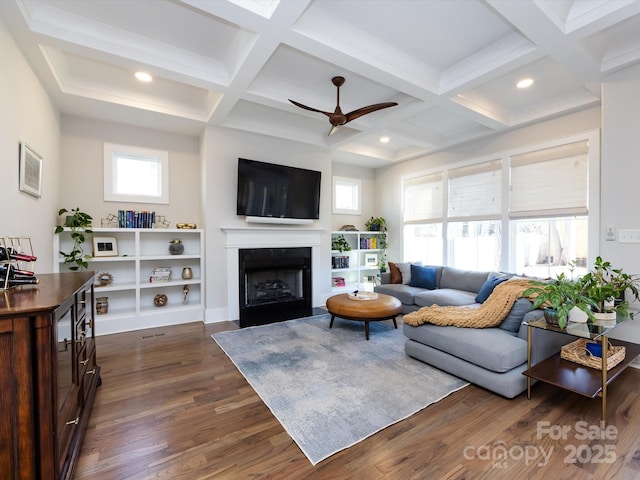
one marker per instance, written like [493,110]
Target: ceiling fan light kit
[337,118]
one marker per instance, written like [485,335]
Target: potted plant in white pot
[558,297]
[606,286]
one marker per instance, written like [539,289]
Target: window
[552,181]
[475,245]
[423,243]
[527,212]
[133,174]
[423,199]
[546,245]
[422,213]
[346,196]
[474,233]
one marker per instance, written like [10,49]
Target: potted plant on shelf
[606,286]
[80,225]
[340,244]
[376,224]
[558,297]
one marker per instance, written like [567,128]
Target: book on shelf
[160,274]
[136,219]
[340,262]
[338,282]
[368,243]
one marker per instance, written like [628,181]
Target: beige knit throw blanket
[491,313]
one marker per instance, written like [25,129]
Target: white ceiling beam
[543,32]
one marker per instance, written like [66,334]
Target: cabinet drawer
[88,369]
[68,418]
[80,333]
[83,301]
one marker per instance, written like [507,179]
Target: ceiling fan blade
[309,108]
[371,108]
[333,130]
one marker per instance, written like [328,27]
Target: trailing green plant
[80,225]
[606,286]
[379,224]
[340,244]
[376,224]
[561,295]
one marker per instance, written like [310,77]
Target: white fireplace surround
[238,238]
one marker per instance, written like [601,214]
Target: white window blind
[553,181]
[423,198]
[476,191]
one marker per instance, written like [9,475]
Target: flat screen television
[277,191]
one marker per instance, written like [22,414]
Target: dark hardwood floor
[173,406]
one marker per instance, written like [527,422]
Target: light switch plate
[629,235]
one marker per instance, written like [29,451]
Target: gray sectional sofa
[493,358]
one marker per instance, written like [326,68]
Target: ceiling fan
[337,118]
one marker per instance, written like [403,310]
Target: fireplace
[275,284]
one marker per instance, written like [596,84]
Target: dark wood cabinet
[48,375]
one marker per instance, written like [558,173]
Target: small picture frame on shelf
[370,260]
[105,247]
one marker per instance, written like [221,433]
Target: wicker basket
[577,352]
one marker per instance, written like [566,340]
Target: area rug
[330,388]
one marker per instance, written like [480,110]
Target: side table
[572,376]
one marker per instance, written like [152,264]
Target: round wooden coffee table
[385,307]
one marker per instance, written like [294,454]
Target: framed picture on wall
[30,170]
[105,247]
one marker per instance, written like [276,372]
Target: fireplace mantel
[268,237]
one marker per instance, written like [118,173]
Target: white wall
[220,151]
[620,176]
[27,115]
[82,181]
[388,179]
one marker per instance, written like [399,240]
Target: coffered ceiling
[451,65]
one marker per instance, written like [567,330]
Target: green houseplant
[376,224]
[340,244]
[80,225]
[559,297]
[606,286]
[379,224]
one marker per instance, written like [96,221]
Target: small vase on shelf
[176,247]
[187,273]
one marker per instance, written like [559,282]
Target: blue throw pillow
[512,323]
[423,277]
[487,289]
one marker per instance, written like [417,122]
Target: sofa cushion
[444,297]
[512,323]
[490,348]
[423,277]
[405,272]
[468,280]
[395,275]
[405,293]
[487,289]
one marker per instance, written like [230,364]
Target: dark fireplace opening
[275,284]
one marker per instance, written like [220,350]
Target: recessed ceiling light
[143,76]
[384,139]
[525,83]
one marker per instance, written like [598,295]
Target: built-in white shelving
[131,293]
[359,267]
